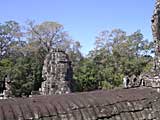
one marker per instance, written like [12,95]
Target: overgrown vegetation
[22,52]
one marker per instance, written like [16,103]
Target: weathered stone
[156,35]
[128,104]
[57,73]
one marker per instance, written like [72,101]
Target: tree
[5,69]
[28,56]
[25,76]
[85,76]
[115,55]
[46,35]
[10,34]
[22,55]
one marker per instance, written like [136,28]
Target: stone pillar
[156,35]
[57,73]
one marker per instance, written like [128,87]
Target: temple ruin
[142,103]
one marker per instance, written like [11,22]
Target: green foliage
[85,76]
[115,54]
[25,74]
[5,69]
[10,33]
[22,61]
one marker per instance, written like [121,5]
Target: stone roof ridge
[118,104]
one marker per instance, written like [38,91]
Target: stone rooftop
[118,104]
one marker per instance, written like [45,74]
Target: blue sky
[83,19]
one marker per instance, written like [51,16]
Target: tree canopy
[23,49]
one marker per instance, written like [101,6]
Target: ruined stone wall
[152,82]
[144,81]
[57,73]
[120,104]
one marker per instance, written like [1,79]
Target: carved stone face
[57,71]
[156,30]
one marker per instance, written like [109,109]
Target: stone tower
[57,73]
[156,35]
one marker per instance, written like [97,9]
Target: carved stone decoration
[156,35]
[57,73]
